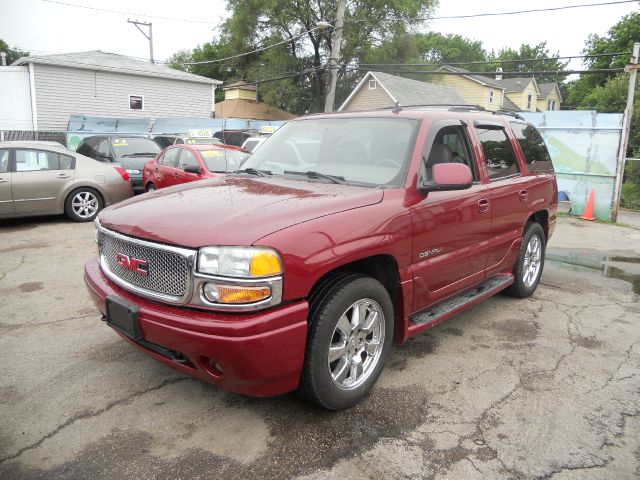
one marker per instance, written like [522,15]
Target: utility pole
[336,44]
[626,129]
[148,37]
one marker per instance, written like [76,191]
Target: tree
[13,54]
[531,59]
[434,47]
[254,24]
[178,60]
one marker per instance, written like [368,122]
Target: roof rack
[509,113]
[467,108]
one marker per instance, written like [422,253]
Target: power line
[491,62]
[493,14]
[172,19]
[288,40]
[537,72]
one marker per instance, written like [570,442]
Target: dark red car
[342,234]
[186,163]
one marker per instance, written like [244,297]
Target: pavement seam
[20,263]
[91,414]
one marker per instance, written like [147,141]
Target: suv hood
[232,210]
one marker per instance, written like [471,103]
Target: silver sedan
[39,178]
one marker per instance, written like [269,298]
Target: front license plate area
[123,316]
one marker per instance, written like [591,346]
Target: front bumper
[259,354]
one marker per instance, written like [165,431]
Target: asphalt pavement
[547,387]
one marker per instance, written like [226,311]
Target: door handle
[156,169]
[63,175]
[483,205]
[2,180]
[523,195]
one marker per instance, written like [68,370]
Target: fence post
[624,141]
[1,135]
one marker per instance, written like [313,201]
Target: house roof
[239,108]
[517,84]
[509,105]
[547,88]
[240,86]
[113,62]
[410,92]
[491,82]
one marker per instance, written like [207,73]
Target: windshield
[369,151]
[127,147]
[203,141]
[221,160]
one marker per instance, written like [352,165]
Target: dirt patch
[30,287]
[515,331]
[587,342]
[452,331]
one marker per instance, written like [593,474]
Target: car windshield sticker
[119,142]
[212,154]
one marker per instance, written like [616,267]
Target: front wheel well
[382,268]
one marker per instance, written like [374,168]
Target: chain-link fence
[30,135]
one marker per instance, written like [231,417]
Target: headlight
[240,262]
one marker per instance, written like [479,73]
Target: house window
[529,100]
[551,105]
[490,96]
[136,102]
[373,84]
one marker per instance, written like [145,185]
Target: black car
[128,150]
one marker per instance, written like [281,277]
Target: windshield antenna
[397,108]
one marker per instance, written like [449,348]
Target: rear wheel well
[542,218]
[383,268]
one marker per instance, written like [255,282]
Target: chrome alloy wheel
[532,261]
[356,344]
[84,204]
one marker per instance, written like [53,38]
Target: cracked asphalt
[547,387]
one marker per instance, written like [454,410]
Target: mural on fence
[584,148]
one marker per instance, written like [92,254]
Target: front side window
[450,145]
[359,150]
[499,156]
[35,160]
[136,102]
[533,146]
[222,160]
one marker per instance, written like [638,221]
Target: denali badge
[429,253]
[133,264]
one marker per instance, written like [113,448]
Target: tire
[359,352]
[150,187]
[533,241]
[83,204]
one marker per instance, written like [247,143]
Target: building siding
[520,97]
[242,94]
[63,91]
[473,93]
[366,99]
[543,103]
[15,99]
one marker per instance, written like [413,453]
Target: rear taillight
[123,173]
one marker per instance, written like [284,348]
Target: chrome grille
[168,268]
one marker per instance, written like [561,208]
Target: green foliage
[630,196]
[520,61]
[13,54]
[178,60]
[437,48]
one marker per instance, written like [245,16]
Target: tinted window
[4,161]
[164,142]
[498,152]
[85,149]
[170,158]
[132,146]
[103,151]
[533,147]
[187,158]
[221,160]
[34,160]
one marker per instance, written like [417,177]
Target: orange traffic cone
[587,214]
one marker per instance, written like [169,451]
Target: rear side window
[170,158]
[187,158]
[498,153]
[36,160]
[533,146]
[4,161]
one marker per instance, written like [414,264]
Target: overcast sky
[42,26]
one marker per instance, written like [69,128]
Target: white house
[103,84]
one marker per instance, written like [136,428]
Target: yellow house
[477,90]
[550,97]
[522,94]
[240,90]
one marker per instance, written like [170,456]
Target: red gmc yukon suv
[343,234]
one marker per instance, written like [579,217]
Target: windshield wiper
[253,171]
[139,154]
[314,174]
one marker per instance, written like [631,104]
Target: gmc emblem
[133,264]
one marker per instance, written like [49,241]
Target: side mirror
[103,158]
[447,176]
[192,169]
